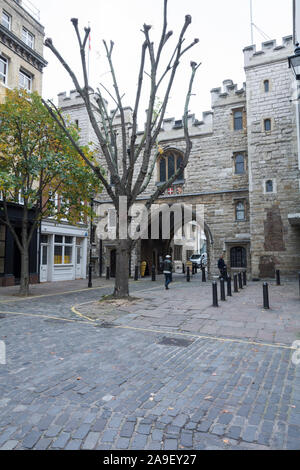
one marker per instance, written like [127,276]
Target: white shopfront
[63,252]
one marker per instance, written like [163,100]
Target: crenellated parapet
[270,52]
[228,94]
[73,99]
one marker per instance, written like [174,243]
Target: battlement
[229,94]
[172,128]
[269,52]
[73,99]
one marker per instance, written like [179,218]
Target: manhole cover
[179,342]
[52,320]
[105,324]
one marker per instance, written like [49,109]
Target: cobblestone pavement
[152,375]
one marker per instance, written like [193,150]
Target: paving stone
[91,440]
[31,439]
[61,441]
[9,445]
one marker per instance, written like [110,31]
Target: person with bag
[168,267]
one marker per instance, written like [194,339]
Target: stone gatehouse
[244,168]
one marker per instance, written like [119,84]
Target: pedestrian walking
[168,267]
[222,267]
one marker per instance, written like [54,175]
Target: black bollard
[235,282]
[215,294]
[153,273]
[90,284]
[183,269]
[240,280]
[277,277]
[244,278]
[188,276]
[196,269]
[266,295]
[222,289]
[229,293]
[107,272]
[203,275]
[136,273]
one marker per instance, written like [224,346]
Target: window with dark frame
[168,164]
[266,86]
[238,120]
[269,186]
[239,164]
[267,125]
[238,257]
[240,211]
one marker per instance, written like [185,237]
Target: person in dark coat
[168,267]
[222,267]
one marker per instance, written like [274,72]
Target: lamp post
[90,284]
[294,62]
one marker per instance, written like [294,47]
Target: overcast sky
[222,26]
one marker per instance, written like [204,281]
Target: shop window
[63,249]
[168,164]
[238,257]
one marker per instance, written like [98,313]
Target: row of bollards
[239,281]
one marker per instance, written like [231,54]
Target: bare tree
[132,163]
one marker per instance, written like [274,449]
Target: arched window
[240,211]
[266,86]
[238,257]
[168,164]
[269,186]
[239,164]
[267,125]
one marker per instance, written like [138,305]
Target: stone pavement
[169,372]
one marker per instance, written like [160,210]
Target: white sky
[223,28]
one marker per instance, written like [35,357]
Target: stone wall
[269,240]
[275,243]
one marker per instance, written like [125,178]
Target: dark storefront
[10,257]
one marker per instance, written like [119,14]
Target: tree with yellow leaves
[37,161]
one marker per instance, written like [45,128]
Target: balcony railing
[30,8]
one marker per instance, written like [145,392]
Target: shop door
[78,262]
[44,263]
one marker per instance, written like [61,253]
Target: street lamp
[294,62]
[90,284]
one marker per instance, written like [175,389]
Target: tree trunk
[122,269]
[24,285]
